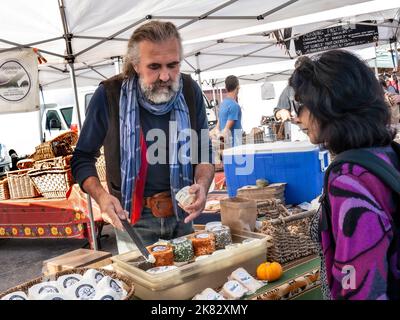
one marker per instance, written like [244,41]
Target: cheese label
[85,291]
[16,297]
[159,249]
[244,277]
[115,286]
[48,289]
[69,281]
[179,240]
[234,286]
[202,236]
[98,276]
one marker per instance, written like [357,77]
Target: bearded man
[152,123]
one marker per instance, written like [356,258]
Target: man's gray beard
[156,94]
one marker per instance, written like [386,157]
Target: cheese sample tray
[186,280]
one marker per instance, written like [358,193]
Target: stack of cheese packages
[240,283]
[92,285]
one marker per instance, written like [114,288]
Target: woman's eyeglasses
[298,106]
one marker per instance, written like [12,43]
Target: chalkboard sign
[335,38]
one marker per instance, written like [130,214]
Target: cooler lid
[272,147]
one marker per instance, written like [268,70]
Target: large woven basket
[127,283]
[52,183]
[291,237]
[21,185]
[4,190]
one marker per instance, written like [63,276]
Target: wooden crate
[75,259]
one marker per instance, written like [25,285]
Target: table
[49,218]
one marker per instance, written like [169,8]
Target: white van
[58,119]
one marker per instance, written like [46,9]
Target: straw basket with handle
[4,191]
[63,144]
[20,184]
[290,237]
[128,285]
[58,162]
[43,151]
[52,182]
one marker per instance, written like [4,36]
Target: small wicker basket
[43,151]
[58,162]
[291,237]
[127,283]
[4,190]
[52,183]
[20,184]
[63,144]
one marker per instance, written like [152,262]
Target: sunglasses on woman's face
[298,107]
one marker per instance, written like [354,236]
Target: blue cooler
[300,164]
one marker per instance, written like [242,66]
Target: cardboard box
[75,259]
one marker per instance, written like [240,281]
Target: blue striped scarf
[181,174]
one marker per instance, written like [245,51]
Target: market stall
[48,218]
[41,200]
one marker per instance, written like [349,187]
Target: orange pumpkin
[270,271]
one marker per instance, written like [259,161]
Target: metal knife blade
[136,239]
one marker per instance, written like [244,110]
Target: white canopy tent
[93,33]
[82,39]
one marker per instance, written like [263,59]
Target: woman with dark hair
[342,106]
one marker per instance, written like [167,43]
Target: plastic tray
[188,280]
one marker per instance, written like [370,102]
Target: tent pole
[376,65]
[71,59]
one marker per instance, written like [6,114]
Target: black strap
[188,93]
[380,168]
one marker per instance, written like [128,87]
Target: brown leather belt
[160,204]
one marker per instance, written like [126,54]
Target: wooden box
[75,259]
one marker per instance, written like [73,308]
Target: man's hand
[197,207]
[283,115]
[111,210]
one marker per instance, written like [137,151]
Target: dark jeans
[151,229]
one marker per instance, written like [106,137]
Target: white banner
[19,81]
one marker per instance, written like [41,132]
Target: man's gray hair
[153,31]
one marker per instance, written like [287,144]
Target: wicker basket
[52,183]
[20,184]
[4,191]
[25,164]
[43,151]
[291,238]
[58,162]
[101,168]
[127,283]
[63,144]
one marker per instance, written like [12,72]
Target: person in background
[341,105]
[230,114]
[393,101]
[286,102]
[14,159]
[394,82]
